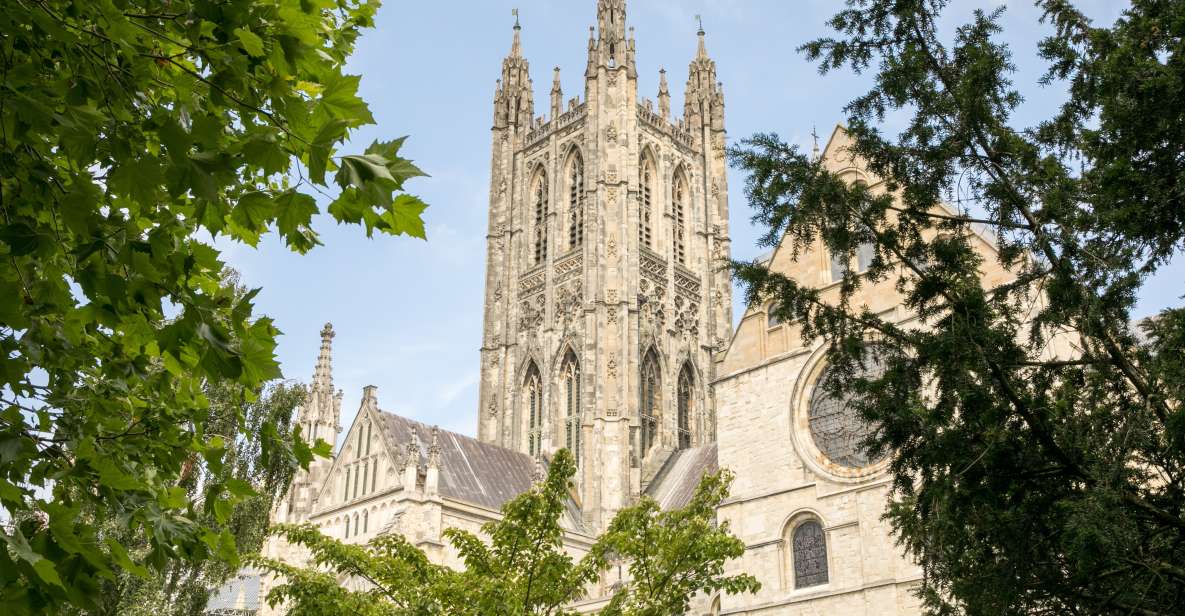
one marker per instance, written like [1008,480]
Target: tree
[1026,482]
[523,568]
[262,473]
[132,132]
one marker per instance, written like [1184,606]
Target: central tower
[606,295]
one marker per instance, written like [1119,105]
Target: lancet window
[572,396]
[650,408]
[679,215]
[686,381]
[540,197]
[645,223]
[533,397]
[576,202]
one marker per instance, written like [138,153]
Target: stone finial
[323,375]
[411,462]
[540,473]
[432,475]
[664,95]
[516,48]
[557,96]
[434,449]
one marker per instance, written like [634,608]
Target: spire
[516,48]
[323,375]
[613,48]
[702,54]
[664,95]
[513,101]
[815,155]
[557,96]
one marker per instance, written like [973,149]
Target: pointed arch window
[365,521]
[369,437]
[365,475]
[572,396]
[576,202]
[533,394]
[679,215]
[645,224]
[810,555]
[650,404]
[374,475]
[686,382]
[541,210]
[347,527]
[346,492]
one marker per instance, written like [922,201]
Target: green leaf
[250,42]
[340,100]
[240,488]
[124,561]
[20,237]
[405,217]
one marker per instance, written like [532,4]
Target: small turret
[664,95]
[411,462]
[432,474]
[514,100]
[557,96]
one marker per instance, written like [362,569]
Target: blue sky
[407,312]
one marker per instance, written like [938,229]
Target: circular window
[835,423]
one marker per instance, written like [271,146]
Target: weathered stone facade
[607,218]
[608,330]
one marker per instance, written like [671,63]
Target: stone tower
[605,296]
[319,418]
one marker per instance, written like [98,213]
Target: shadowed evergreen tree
[1025,482]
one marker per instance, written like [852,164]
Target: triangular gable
[752,341]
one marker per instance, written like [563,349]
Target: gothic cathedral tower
[605,295]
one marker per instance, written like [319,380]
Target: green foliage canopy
[132,132]
[522,567]
[1026,481]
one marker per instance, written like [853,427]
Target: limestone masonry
[608,331]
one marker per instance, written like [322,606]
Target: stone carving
[569,268]
[612,315]
[498,293]
[686,317]
[611,132]
[651,301]
[493,408]
[532,283]
[611,247]
[687,285]
[654,268]
[531,313]
[569,305]
[612,368]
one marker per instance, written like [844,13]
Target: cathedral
[608,330]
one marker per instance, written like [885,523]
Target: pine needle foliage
[1025,481]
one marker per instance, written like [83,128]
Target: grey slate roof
[675,484]
[471,471]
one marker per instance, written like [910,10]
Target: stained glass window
[533,391]
[810,555]
[836,425]
[572,395]
[650,409]
[684,427]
